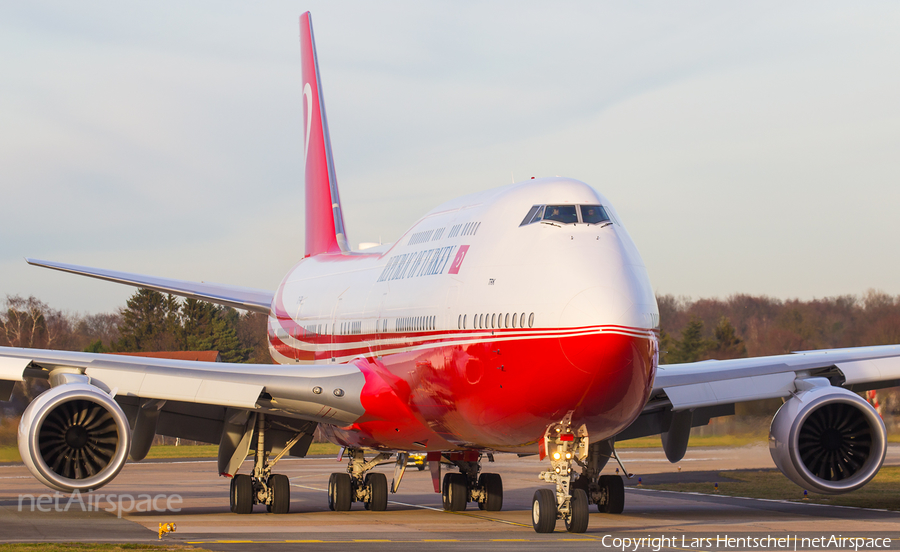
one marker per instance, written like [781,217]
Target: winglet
[324,219]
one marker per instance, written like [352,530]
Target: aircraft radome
[519,319]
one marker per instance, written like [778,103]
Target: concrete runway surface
[415,520]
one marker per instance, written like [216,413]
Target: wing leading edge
[293,391]
[716,382]
[251,299]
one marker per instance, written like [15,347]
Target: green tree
[208,327]
[95,346]
[223,338]
[150,322]
[727,344]
[692,345]
[198,320]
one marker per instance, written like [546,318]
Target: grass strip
[737,440]
[880,493]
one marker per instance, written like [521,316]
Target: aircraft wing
[304,392]
[256,300]
[716,382]
[690,394]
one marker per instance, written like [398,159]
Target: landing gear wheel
[578,512]
[378,492]
[340,491]
[493,490]
[455,492]
[281,494]
[615,494]
[241,494]
[543,511]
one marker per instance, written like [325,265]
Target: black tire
[445,492]
[615,493]
[543,511]
[456,495]
[241,494]
[378,492]
[492,484]
[420,467]
[281,494]
[578,512]
[340,490]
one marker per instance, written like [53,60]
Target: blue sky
[749,147]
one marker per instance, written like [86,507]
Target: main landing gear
[357,485]
[458,489]
[574,493]
[606,491]
[263,487]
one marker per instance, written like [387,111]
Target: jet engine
[827,439]
[74,437]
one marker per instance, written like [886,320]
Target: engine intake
[828,440]
[74,437]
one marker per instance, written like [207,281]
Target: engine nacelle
[74,437]
[828,440]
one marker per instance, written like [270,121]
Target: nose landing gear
[563,446]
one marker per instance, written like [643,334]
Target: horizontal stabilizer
[256,300]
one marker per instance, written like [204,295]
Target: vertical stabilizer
[324,220]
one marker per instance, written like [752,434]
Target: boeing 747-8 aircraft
[520,319]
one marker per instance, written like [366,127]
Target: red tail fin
[324,220]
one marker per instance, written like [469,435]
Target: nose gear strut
[563,446]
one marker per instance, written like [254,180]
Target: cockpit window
[530,215]
[593,214]
[566,214]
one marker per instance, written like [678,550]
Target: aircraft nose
[615,291]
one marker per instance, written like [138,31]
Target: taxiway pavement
[415,519]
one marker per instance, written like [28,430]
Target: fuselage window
[522,320]
[506,321]
[464,321]
[531,320]
[514,319]
[493,317]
